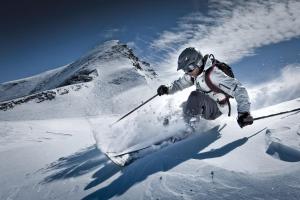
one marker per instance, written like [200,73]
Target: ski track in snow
[56,133]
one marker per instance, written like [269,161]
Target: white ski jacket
[230,86]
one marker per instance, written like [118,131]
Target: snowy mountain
[93,84]
[54,128]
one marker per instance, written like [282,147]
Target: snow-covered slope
[220,161]
[91,85]
[23,87]
[58,159]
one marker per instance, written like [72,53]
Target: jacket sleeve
[183,82]
[234,88]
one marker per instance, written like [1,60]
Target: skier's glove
[161,90]
[244,119]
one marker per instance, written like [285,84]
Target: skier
[215,84]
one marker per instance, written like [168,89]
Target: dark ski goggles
[190,68]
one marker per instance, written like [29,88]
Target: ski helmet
[189,59]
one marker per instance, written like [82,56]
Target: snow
[242,167]
[57,159]
[29,146]
[23,87]
[54,149]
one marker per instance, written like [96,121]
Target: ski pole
[134,109]
[280,113]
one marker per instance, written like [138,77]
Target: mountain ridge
[84,69]
[93,84]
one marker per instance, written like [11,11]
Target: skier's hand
[244,119]
[161,90]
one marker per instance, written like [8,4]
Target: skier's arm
[183,82]
[234,88]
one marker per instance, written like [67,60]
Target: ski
[127,157]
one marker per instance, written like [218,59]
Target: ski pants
[200,105]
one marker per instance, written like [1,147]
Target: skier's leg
[210,108]
[200,105]
[191,107]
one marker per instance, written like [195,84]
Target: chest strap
[216,89]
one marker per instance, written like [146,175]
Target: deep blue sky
[268,61]
[40,35]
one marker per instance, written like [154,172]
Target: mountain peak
[85,69]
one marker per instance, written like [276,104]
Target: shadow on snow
[162,160]
[75,165]
[91,158]
[139,170]
[214,153]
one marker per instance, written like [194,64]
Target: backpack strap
[215,88]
